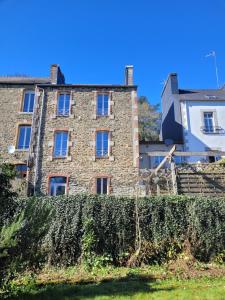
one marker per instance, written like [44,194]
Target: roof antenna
[213,54]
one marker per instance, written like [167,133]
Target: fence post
[174,178]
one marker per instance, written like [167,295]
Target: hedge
[57,230]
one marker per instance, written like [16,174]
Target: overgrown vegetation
[69,230]
[149,120]
[97,232]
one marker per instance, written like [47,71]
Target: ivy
[93,229]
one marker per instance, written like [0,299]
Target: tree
[149,120]
[7,196]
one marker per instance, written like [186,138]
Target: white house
[192,119]
[195,118]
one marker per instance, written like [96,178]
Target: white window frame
[29,101]
[61,148]
[102,144]
[101,178]
[64,112]
[25,136]
[103,105]
[208,128]
[55,186]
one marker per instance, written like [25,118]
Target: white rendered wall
[194,138]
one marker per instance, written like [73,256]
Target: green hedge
[53,230]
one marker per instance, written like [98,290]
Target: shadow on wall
[127,286]
[170,128]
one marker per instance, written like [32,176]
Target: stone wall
[11,116]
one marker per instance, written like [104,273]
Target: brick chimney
[129,75]
[56,75]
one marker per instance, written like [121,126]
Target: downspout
[30,152]
[38,141]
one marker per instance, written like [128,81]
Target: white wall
[194,138]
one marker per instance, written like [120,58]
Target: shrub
[96,229]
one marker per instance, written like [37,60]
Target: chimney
[56,75]
[129,75]
[173,83]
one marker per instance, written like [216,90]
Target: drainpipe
[38,140]
[32,128]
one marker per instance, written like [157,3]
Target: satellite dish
[169,142]
[11,149]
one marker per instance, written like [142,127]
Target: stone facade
[81,167]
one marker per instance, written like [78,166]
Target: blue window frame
[60,144]
[28,102]
[102,185]
[24,137]
[63,105]
[58,185]
[103,105]
[102,143]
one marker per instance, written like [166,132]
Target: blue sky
[93,40]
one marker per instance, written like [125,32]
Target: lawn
[121,285]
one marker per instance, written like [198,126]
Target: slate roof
[23,80]
[202,94]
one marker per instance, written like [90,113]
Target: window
[158,160]
[63,105]
[28,102]
[58,185]
[208,122]
[178,159]
[60,144]
[103,105]
[102,185]
[21,170]
[24,137]
[102,143]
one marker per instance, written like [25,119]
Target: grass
[116,283]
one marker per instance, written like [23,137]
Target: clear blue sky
[93,40]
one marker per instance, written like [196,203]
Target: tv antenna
[213,54]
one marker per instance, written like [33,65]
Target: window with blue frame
[103,105]
[28,102]
[63,105]
[58,185]
[102,143]
[24,134]
[60,144]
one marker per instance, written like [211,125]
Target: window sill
[25,113]
[70,116]
[22,150]
[102,116]
[62,116]
[207,133]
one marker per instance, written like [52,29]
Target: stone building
[71,138]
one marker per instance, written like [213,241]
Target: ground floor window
[102,185]
[58,185]
[21,170]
